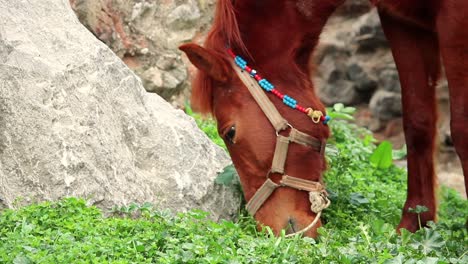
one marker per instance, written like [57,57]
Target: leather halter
[317,193]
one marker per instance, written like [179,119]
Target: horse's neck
[282,31]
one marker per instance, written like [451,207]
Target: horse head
[281,147]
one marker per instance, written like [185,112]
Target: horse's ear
[208,61]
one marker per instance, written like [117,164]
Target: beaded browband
[315,115]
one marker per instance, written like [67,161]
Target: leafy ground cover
[366,206]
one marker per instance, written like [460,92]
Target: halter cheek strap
[276,120]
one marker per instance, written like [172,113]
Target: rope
[307,228]
[300,232]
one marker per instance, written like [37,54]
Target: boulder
[76,121]
[146,34]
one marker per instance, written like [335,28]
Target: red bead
[322,118]
[258,77]
[231,53]
[248,69]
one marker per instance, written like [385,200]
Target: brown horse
[278,37]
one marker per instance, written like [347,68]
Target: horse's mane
[223,33]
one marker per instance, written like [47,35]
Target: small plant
[382,157]
[339,111]
[419,209]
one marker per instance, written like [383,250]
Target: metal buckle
[290,127]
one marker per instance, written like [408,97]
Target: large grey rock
[146,34]
[75,121]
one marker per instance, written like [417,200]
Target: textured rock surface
[385,105]
[355,66]
[146,34]
[75,121]
[355,62]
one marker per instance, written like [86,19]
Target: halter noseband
[317,193]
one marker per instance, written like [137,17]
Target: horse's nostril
[291,226]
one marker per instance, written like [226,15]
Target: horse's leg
[452,26]
[416,54]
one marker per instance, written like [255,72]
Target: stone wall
[355,67]
[145,34]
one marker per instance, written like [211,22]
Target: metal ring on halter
[289,125]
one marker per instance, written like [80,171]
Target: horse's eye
[230,135]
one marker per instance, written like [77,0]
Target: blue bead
[242,61]
[287,99]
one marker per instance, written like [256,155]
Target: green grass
[360,225]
